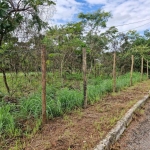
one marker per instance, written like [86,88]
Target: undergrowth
[59,101]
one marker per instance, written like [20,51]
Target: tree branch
[18,4]
[12,4]
[19,10]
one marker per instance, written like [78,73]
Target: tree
[64,44]
[17,13]
[93,23]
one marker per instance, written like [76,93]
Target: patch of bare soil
[83,129]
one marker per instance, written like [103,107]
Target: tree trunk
[132,58]
[84,77]
[5,80]
[142,69]
[114,73]
[43,66]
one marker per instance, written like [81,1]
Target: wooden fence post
[132,58]
[43,66]
[84,77]
[114,73]
[142,69]
[147,70]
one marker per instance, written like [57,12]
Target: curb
[120,127]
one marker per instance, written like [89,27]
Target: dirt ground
[137,137]
[83,129]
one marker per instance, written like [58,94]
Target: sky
[123,12]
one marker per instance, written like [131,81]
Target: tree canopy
[13,13]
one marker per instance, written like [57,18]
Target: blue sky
[123,12]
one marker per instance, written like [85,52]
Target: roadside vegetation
[112,60]
[14,114]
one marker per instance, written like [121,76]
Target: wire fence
[65,79]
[22,66]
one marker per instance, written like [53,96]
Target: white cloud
[128,11]
[66,10]
[123,11]
[96,1]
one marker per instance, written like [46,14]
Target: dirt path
[137,136]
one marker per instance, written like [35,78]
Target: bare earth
[137,136]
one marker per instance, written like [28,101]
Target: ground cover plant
[60,100]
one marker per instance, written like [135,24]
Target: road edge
[120,127]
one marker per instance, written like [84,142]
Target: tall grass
[59,100]
[7,119]
[99,87]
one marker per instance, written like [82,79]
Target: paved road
[137,136]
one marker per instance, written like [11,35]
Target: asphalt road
[137,136]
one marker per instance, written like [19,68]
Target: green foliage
[1,95]
[7,121]
[95,19]
[64,100]
[59,101]
[70,99]
[99,87]
[31,106]
[74,76]
[11,16]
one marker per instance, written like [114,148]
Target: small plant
[113,120]
[97,125]
[68,120]
[79,113]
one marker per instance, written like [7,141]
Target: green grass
[98,87]
[7,120]
[20,85]
[59,101]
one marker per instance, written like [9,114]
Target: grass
[20,84]
[98,87]
[59,101]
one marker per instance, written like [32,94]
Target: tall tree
[93,23]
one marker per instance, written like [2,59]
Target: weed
[113,120]
[79,113]
[99,109]
[68,120]
[97,125]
